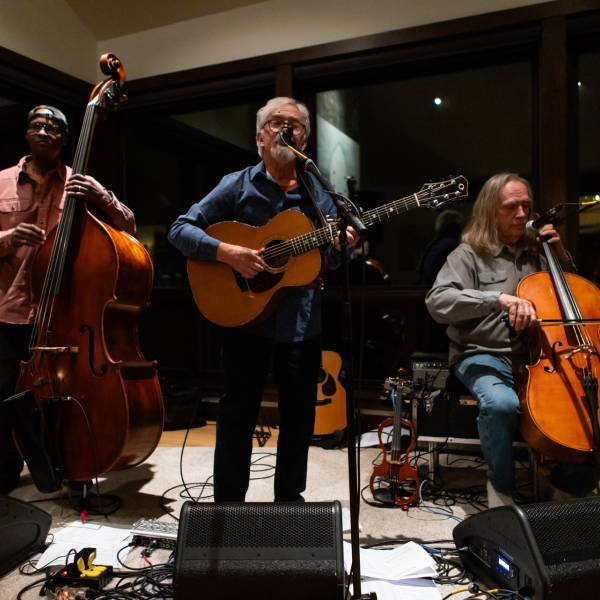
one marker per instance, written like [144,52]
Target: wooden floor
[205,436]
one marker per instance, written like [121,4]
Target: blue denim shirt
[250,196]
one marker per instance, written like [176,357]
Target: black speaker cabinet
[545,551]
[259,550]
[23,531]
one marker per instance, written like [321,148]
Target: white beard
[281,154]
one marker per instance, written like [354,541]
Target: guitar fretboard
[431,195]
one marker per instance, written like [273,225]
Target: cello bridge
[587,349]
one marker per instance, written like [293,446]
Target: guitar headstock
[440,193]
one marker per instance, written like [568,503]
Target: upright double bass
[559,401]
[97,398]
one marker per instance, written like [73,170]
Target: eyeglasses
[49,127]
[276,124]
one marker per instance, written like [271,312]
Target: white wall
[49,31]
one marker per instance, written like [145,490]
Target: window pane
[394,137]
[588,260]
[172,161]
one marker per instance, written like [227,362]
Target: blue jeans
[490,379]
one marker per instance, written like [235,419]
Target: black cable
[29,587]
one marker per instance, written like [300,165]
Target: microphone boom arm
[344,205]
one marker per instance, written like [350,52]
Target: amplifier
[437,413]
[545,551]
[429,371]
[441,417]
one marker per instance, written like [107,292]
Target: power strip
[159,534]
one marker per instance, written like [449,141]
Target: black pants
[247,359]
[14,346]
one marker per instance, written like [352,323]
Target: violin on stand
[395,480]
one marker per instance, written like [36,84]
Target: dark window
[588,185]
[394,137]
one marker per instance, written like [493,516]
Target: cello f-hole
[104,367]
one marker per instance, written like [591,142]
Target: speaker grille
[227,525]
[260,550]
[566,532]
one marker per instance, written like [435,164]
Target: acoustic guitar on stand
[290,246]
[330,412]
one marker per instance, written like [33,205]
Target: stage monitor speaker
[545,551]
[259,550]
[23,531]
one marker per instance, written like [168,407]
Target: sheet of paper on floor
[77,535]
[402,572]
[412,589]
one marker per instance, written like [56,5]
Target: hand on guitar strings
[246,261]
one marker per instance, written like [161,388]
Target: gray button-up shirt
[465,296]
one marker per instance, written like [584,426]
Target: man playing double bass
[32,195]
[474,294]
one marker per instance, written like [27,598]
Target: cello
[96,399]
[559,398]
[396,472]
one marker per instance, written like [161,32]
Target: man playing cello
[474,294]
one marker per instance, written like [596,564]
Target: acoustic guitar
[291,251]
[330,413]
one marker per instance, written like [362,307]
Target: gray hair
[481,231]
[263,114]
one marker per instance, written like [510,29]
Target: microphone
[535,225]
[285,136]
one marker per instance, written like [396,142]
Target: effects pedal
[161,534]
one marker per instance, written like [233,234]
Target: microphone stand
[346,217]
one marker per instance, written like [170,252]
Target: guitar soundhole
[276,259]
[329,386]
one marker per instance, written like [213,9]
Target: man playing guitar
[290,335]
